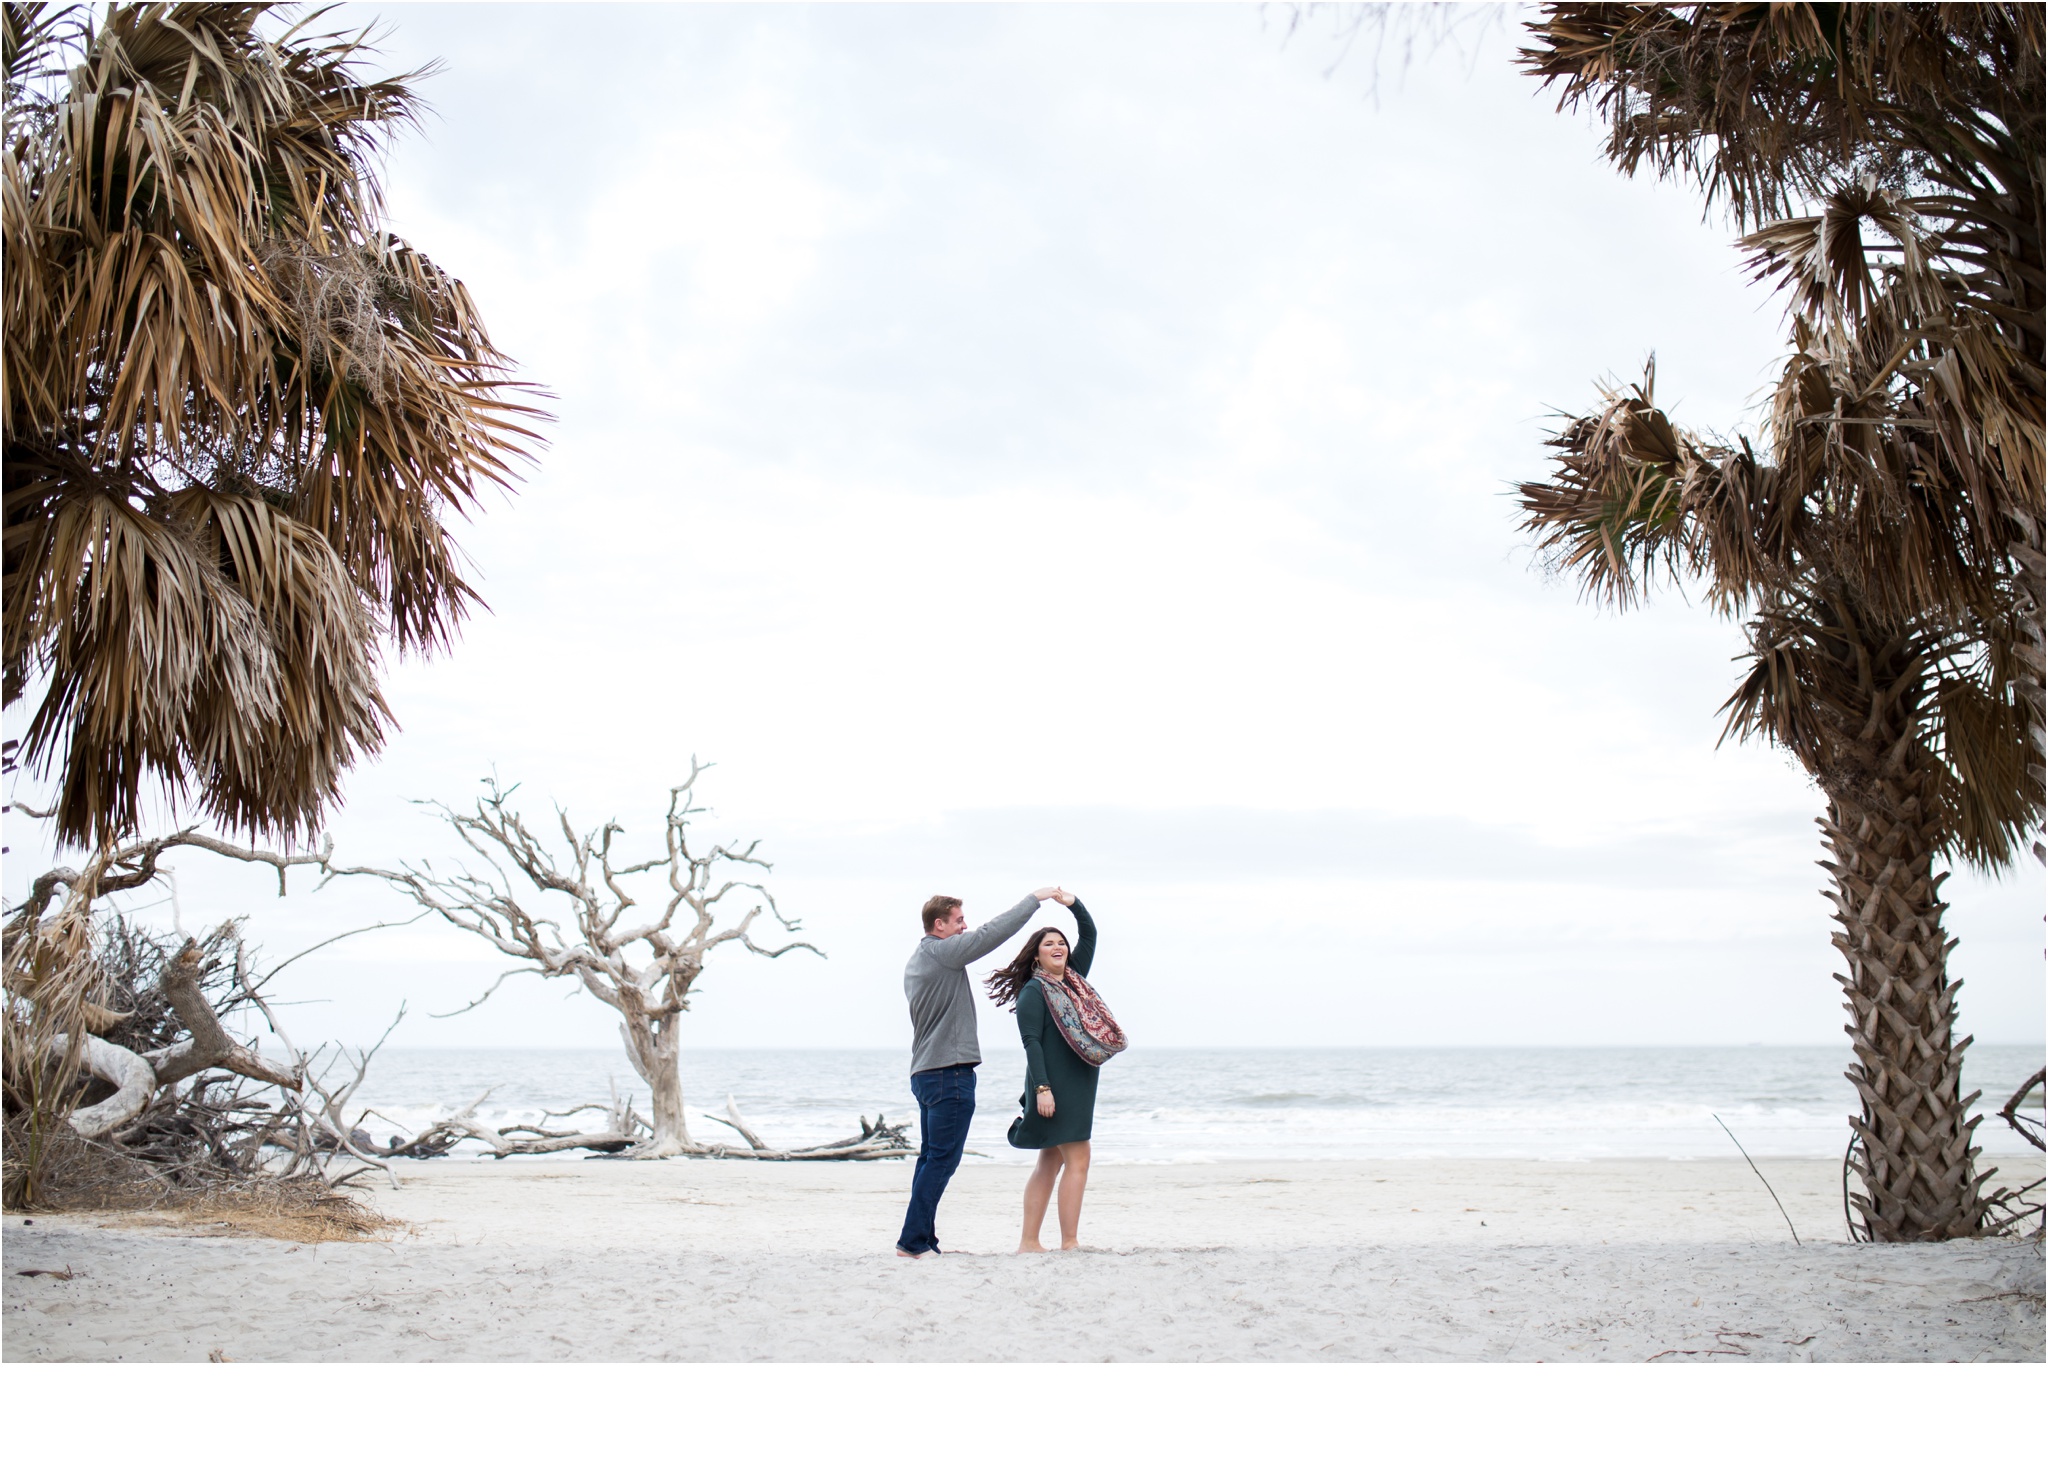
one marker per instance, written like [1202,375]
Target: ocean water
[1197,1105]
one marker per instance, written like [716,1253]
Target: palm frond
[225,378]
[1635,500]
[1824,262]
[1919,131]
[1982,784]
[1768,105]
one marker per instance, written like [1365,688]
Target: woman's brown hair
[1003,986]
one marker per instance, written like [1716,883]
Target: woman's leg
[1075,1157]
[1038,1195]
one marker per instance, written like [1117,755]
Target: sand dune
[696,1260]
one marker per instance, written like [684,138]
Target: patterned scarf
[1084,1018]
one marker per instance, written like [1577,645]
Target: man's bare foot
[1028,1246]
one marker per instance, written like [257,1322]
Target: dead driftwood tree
[642,966]
[123,1080]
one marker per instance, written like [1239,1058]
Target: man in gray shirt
[945,1048]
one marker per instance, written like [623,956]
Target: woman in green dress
[1058,1102]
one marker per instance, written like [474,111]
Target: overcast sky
[1073,443]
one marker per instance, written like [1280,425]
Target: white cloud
[973,411]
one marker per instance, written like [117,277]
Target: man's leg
[952,1117]
[945,1105]
[916,1239]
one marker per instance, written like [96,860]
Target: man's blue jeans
[945,1107]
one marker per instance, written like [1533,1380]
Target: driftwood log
[134,1080]
[443,1135]
[624,1130]
[877,1141]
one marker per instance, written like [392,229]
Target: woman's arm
[1031,1028]
[1084,943]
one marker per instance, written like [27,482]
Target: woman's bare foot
[1072,1245]
[909,1255]
[1031,1245]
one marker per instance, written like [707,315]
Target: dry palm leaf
[238,413]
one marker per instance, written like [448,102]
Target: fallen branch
[2010,1210]
[209,1046]
[1767,1184]
[733,1121]
[2020,1121]
[436,1140]
[877,1141]
[440,1137]
[1731,1350]
[830,1152]
[332,1114]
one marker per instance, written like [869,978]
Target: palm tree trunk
[1917,1166]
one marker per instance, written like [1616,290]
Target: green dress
[1049,1060]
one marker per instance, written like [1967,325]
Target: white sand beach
[1681,1261]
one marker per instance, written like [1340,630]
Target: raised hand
[1049,892]
[1063,897]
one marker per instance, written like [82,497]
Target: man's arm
[973,945]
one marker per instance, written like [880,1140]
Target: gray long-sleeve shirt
[942,1014]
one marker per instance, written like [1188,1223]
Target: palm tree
[1889,159]
[238,413]
[1909,723]
[1886,545]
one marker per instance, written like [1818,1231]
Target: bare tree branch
[470,1006]
[2010,1113]
[209,1046]
[135,864]
[358,931]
